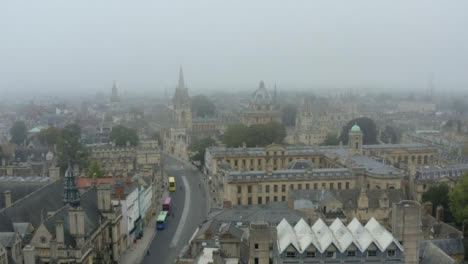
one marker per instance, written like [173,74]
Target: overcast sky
[81,46]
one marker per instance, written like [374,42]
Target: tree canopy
[235,135]
[439,195]
[120,135]
[50,136]
[202,106]
[18,132]
[70,150]
[95,170]
[391,135]
[331,140]
[458,202]
[198,148]
[288,114]
[256,135]
[368,129]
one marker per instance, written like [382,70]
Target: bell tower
[355,140]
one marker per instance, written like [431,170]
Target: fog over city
[80,47]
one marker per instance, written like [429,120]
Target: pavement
[136,252]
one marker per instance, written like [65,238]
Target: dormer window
[391,253]
[290,254]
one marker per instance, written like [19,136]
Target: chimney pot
[7,198]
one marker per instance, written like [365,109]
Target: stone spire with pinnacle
[181,97]
[115,94]
[71,195]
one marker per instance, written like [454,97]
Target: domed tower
[260,109]
[355,140]
[181,104]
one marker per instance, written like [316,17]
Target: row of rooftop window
[291,187]
[277,176]
[332,254]
[275,161]
[432,175]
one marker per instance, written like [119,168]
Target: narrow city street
[189,207]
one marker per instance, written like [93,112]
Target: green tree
[120,135]
[439,195]
[275,132]
[95,169]
[18,132]
[235,135]
[368,129]
[70,150]
[202,106]
[50,136]
[458,202]
[391,135]
[198,148]
[258,135]
[331,140]
[264,134]
[288,115]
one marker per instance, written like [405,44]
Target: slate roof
[437,230]
[451,247]
[370,164]
[38,203]
[18,190]
[337,234]
[219,228]
[434,255]
[7,239]
[348,197]
[272,213]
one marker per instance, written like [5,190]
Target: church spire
[181,97]
[71,195]
[181,78]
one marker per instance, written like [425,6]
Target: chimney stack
[104,198]
[7,198]
[28,253]
[440,213]
[427,208]
[59,232]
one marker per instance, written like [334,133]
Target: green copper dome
[355,128]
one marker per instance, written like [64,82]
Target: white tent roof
[322,236]
[342,236]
